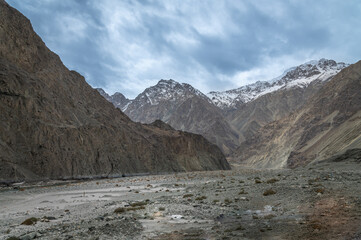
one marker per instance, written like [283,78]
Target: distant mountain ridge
[300,76]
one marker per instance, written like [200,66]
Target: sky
[126,46]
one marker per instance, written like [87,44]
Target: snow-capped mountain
[167,90]
[300,76]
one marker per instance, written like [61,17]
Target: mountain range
[231,117]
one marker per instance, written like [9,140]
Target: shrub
[119,210]
[201,198]
[136,204]
[272,180]
[30,221]
[242,192]
[269,192]
[188,195]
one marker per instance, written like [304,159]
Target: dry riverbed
[317,202]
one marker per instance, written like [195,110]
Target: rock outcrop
[54,125]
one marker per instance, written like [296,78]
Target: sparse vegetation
[13,238]
[119,210]
[200,198]
[269,216]
[272,180]
[320,190]
[135,208]
[123,209]
[188,195]
[257,180]
[240,228]
[242,192]
[30,221]
[269,192]
[162,209]
[136,204]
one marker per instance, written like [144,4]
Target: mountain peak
[118,99]
[166,90]
[170,83]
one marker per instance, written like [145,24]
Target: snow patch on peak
[300,76]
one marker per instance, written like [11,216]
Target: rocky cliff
[54,125]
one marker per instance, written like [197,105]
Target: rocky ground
[322,201]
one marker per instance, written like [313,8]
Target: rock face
[328,124]
[54,125]
[184,108]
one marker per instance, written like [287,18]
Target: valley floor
[317,202]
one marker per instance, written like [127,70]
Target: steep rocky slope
[54,125]
[328,124]
[249,117]
[184,108]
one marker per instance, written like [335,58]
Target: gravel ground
[321,201]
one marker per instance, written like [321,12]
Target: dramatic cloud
[127,46]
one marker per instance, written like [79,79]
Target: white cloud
[213,45]
[72,28]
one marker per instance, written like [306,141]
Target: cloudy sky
[126,46]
